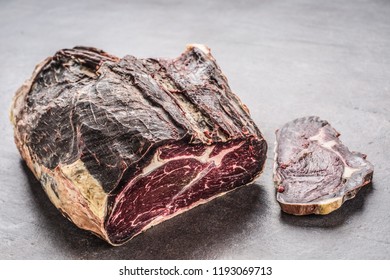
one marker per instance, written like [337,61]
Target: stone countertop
[285,59]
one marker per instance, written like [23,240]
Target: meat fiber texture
[314,172]
[120,145]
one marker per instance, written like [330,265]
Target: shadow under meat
[195,234]
[335,218]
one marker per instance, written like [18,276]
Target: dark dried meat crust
[120,145]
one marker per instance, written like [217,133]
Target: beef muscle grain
[314,172]
[120,145]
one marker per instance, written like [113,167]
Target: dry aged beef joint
[120,145]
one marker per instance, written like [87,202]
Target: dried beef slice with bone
[314,172]
[120,145]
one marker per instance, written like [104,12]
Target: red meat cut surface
[120,145]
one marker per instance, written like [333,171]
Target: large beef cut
[314,172]
[120,145]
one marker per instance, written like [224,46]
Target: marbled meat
[314,172]
[120,145]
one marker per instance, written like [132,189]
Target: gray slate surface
[285,59]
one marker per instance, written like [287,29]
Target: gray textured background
[285,59]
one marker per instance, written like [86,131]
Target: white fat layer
[157,162]
[320,139]
[198,177]
[328,201]
[329,144]
[322,202]
[348,171]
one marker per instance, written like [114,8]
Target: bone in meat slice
[314,172]
[120,145]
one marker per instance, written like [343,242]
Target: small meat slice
[120,145]
[314,172]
